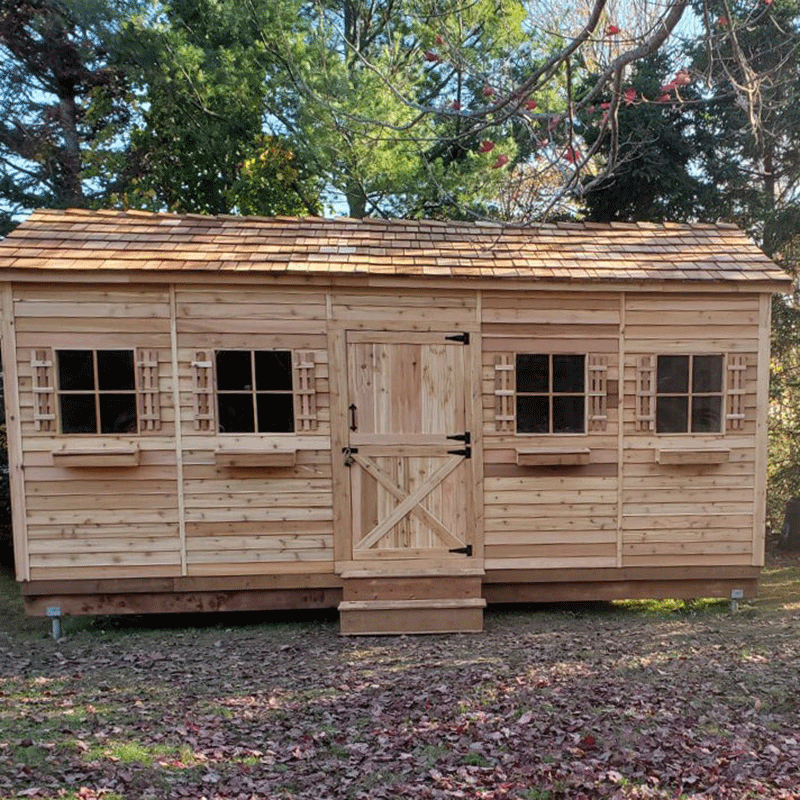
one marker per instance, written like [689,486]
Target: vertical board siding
[255,520]
[550,516]
[98,522]
[689,514]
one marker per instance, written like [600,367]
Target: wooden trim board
[255,458]
[553,456]
[695,455]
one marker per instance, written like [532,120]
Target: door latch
[348,455]
[466,550]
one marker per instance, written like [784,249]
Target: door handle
[353,423]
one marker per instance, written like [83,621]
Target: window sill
[553,456]
[255,458]
[82,456]
[698,455]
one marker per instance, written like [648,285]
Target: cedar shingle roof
[118,240]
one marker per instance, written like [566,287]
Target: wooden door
[411,491]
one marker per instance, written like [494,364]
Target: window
[550,393]
[97,391]
[254,391]
[689,394]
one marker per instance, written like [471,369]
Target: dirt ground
[637,700]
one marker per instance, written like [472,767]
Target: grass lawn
[628,700]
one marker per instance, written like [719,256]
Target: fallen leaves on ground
[542,705]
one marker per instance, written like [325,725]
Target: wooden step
[412,587]
[381,617]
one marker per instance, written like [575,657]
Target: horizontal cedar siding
[549,517]
[98,522]
[263,519]
[683,515]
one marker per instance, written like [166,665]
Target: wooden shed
[402,419]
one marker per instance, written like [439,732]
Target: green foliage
[64,105]
[200,147]
[659,138]
[376,99]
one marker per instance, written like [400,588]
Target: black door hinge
[461,437]
[466,452]
[466,550]
[459,337]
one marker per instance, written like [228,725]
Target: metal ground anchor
[54,612]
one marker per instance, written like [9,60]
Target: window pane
[707,374]
[75,370]
[568,374]
[236,413]
[275,413]
[78,413]
[568,415]
[118,413]
[532,373]
[234,370]
[115,370]
[273,370]
[673,374]
[672,414]
[707,414]
[533,414]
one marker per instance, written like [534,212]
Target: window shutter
[597,368]
[645,394]
[305,391]
[735,392]
[203,389]
[44,415]
[504,391]
[148,397]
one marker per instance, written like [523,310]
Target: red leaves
[489,91]
[502,160]
[572,154]
[531,105]
[431,56]
[455,105]
[588,742]
[612,30]
[630,96]
[486,146]
[722,22]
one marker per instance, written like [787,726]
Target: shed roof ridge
[477,224]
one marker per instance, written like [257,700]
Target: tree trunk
[790,535]
[356,199]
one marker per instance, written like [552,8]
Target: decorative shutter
[203,390]
[598,392]
[44,396]
[305,391]
[645,394]
[505,382]
[735,392]
[147,390]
